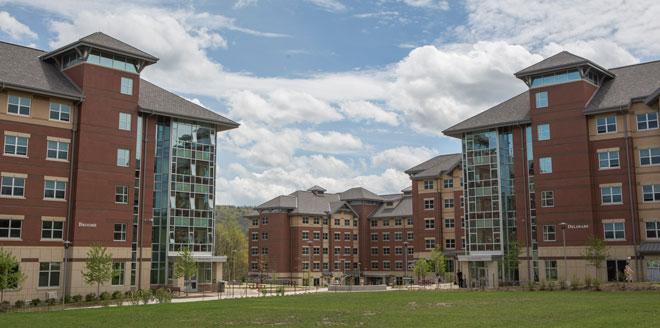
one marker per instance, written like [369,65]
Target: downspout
[631,192]
[527,203]
[140,220]
[68,224]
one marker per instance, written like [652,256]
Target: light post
[405,263]
[563,226]
[67,244]
[309,265]
[233,269]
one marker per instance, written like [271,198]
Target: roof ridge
[22,46]
[487,109]
[636,64]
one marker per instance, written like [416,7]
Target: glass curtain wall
[160,208]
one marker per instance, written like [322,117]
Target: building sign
[578,226]
[86,225]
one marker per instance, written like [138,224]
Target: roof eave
[458,132]
[149,59]
[4,85]
[220,125]
[521,74]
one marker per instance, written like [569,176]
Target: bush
[77,298]
[587,282]
[68,299]
[163,295]
[280,290]
[145,295]
[4,306]
[91,297]
[19,304]
[105,296]
[133,297]
[542,286]
[117,295]
[562,284]
[596,284]
[35,302]
[51,301]
[575,284]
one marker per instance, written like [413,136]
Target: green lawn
[378,309]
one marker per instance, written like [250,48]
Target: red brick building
[576,156]
[93,154]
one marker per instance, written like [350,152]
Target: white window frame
[655,229]
[121,161]
[59,109]
[121,194]
[429,243]
[611,189]
[450,243]
[126,86]
[613,225]
[19,105]
[428,184]
[124,121]
[59,185]
[52,230]
[547,233]
[647,153]
[605,124]
[50,271]
[541,99]
[547,195]
[653,190]
[450,223]
[541,129]
[429,204]
[119,272]
[610,157]
[647,121]
[448,203]
[548,160]
[429,223]
[122,232]
[60,146]
[448,183]
[16,138]
[11,227]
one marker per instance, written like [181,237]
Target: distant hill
[228,212]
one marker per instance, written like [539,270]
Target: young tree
[185,266]
[10,273]
[511,260]
[232,241]
[439,263]
[421,269]
[596,253]
[98,267]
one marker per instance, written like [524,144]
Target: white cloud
[329,5]
[331,142]
[240,4]
[428,4]
[403,157]
[365,110]
[15,29]
[603,52]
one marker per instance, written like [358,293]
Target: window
[653,229]
[543,132]
[126,86]
[462,202]
[449,223]
[449,203]
[608,159]
[317,235]
[429,243]
[428,184]
[374,223]
[651,192]
[347,236]
[545,164]
[325,236]
[121,195]
[556,78]
[337,236]
[547,199]
[119,233]
[398,236]
[649,156]
[254,251]
[58,150]
[337,222]
[374,265]
[264,251]
[374,237]
[386,236]
[317,220]
[305,250]
[386,251]
[606,124]
[305,220]
[125,121]
[255,236]
[264,235]
[549,233]
[614,231]
[16,144]
[398,250]
[264,220]
[347,251]
[551,270]
[450,243]
[542,99]
[398,265]
[52,229]
[325,221]
[428,204]
[123,156]
[59,112]
[611,195]
[255,222]
[118,273]
[10,228]
[647,121]
[305,235]
[429,223]
[410,221]
[18,105]
[54,189]
[411,250]
[386,265]
[49,274]
[397,222]
[448,183]
[409,236]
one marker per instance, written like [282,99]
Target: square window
[429,223]
[651,193]
[611,195]
[449,203]
[13,186]
[449,223]
[59,112]
[125,121]
[428,184]
[543,131]
[542,99]
[54,189]
[386,236]
[429,243]
[123,156]
[126,86]
[653,229]
[614,231]
[647,121]
[10,228]
[549,233]
[649,156]
[450,243]
[608,159]
[49,274]
[52,229]
[545,164]
[119,232]
[16,145]
[18,105]
[448,183]
[57,150]
[428,204]
[606,124]
[547,199]
[121,194]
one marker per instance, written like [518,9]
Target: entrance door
[478,274]
[192,284]
[616,270]
[653,270]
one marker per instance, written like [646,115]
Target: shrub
[35,302]
[264,291]
[19,304]
[575,284]
[562,284]
[587,282]
[163,295]
[67,299]
[542,286]
[91,297]
[105,296]
[77,298]
[145,295]
[596,284]
[4,306]
[280,290]
[51,301]
[551,285]
[117,295]
[133,297]
[530,286]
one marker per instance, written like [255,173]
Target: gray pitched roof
[103,41]
[436,166]
[647,247]
[336,206]
[281,202]
[154,99]
[562,60]
[359,193]
[251,214]
[21,68]
[406,189]
[317,188]
[653,98]
[402,209]
[634,82]
[310,203]
[510,112]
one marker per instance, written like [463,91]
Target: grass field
[376,309]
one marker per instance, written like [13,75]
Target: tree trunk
[98,290]
[2,295]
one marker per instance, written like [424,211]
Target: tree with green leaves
[511,260]
[439,263]
[185,266]
[596,253]
[422,267]
[10,273]
[98,269]
[232,241]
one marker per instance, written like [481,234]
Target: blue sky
[341,93]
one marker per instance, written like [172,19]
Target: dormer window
[556,78]
[389,204]
[112,61]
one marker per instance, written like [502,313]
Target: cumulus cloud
[244,3]
[403,157]
[331,142]
[365,110]
[15,29]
